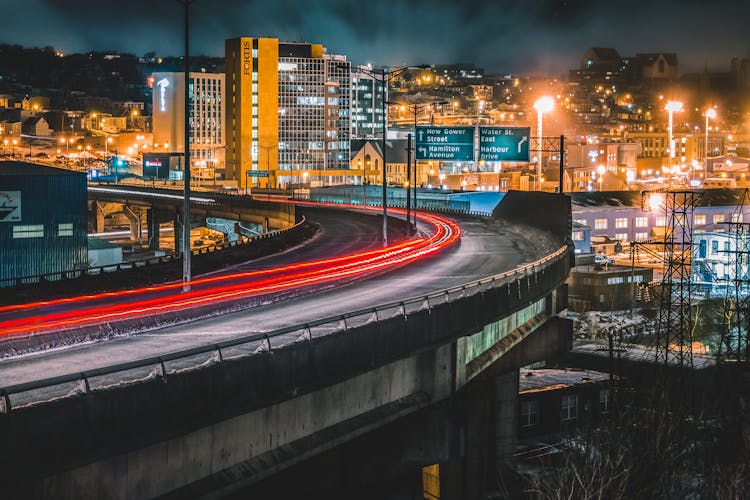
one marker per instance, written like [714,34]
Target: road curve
[487,247]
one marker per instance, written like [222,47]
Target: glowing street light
[542,105]
[671,108]
[710,113]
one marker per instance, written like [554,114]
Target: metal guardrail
[141,263]
[262,342]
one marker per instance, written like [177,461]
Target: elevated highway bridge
[200,408]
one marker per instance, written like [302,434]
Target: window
[714,247]
[736,217]
[604,401]
[569,407]
[661,220]
[581,222]
[641,222]
[577,235]
[622,236]
[699,220]
[641,236]
[718,218]
[600,223]
[621,223]
[615,281]
[65,229]
[28,231]
[529,413]
[726,247]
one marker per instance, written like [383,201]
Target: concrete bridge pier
[153,222]
[134,215]
[178,228]
[97,211]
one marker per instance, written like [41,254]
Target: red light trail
[150,301]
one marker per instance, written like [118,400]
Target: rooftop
[16,168]
[550,380]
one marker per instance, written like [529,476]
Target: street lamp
[671,108]
[384,77]
[13,148]
[710,113]
[542,105]
[601,170]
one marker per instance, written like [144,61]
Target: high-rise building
[367,105]
[287,113]
[206,117]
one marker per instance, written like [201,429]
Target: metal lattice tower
[674,333]
[735,335]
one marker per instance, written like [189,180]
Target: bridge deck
[487,247]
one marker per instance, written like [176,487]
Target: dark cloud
[501,35]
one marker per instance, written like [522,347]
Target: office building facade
[288,107]
[367,105]
[206,119]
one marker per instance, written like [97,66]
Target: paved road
[486,248]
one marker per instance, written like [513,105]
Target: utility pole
[186,247]
[408,182]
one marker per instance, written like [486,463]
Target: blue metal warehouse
[42,220]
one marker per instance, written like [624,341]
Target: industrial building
[206,119]
[42,220]
[287,113]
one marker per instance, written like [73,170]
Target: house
[37,126]
[552,402]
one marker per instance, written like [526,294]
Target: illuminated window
[577,235]
[621,223]
[718,218]
[622,236]
[65,229]
[641,222]
[581,222]
[615,281]
[569,407]
[661,220]
[600,223]
[699,220]
[28,231]
[641,236]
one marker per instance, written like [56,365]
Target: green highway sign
[445,143]
[258,173]
[504,143]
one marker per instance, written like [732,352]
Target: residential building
[36,126]
[552,402]
[288,112]
[206,118]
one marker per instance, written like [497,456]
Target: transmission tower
[735,335]
[674,333]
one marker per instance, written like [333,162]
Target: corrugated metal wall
[49,200]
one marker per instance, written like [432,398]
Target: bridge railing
[141,263]
[524,278]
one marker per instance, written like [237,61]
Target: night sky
[546,36]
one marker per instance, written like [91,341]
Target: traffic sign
[504,143]
[445,143]
[258,173]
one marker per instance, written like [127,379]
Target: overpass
[156,206]
[202,408]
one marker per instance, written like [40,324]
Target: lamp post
[384,77]
[415,110]
[186,253]
[13,148]
[671,108]
[710,113]
[268,150]
[542,105]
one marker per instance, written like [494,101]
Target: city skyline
[543,36]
